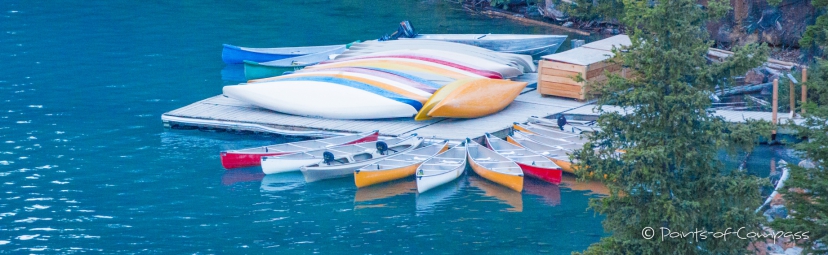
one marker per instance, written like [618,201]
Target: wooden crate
[556,72]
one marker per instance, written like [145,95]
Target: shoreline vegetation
[667,157]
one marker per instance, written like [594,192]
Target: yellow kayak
[438,96]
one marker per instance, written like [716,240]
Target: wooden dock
[220,112]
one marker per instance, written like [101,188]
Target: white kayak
[331,169]
[441,169]
[509,43]
[292,162]
[326,98]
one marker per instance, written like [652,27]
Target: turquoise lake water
[85,164]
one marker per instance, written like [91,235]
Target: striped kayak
[441,169]
[332,169]
[258,70]
[292,162]
[231,54]
[326,97]
[431,79]
[411,65]
[425,84]
[252,156]
[478,98]
[494,167]
[557,154]
[525,62]
[533,164]
[396,167]
[444,57]
[404,88]
[508,43]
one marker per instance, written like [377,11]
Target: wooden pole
[792,96]
[804,87]
[775,104]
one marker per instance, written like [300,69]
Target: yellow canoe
[494,167]
[397,166]
[438,96]
[478,98]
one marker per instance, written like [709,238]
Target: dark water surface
[85,164]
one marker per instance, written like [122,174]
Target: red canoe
[532,163]
[253,156]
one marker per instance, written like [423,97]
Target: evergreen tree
[805,192]
[668,176]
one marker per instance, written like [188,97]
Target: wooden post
[775,105]
[792,96]
[804,87]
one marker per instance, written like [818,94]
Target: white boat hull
[319,99]
[275,165]
[425,183]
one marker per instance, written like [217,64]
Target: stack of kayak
[441,79]
[532,150]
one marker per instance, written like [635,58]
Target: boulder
[793,251]
[755,76]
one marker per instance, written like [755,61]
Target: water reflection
[502,194]
[433,198]
[550,194]
[233,73]
[241,175]
[571,182]
[282,182]
[386,190]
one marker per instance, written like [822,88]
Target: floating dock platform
[223,113]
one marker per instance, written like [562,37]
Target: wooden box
[556,72]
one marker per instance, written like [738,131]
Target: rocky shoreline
[749,21]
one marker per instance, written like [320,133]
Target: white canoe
[346,166]
[326,99]
[441,169]
[292,162]
[524,61]
[462,59]
[508,43]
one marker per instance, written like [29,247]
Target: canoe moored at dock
[556,154]
[332,168]
[252,156]
[533,164]
[231,54]
[494,167]
[326,97]
[258,70]
[573,126]
[508,43]
[292,162]
[478,98]
[550,141]
[530,128]
[441,169]
[397,166]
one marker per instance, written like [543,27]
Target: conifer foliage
[658,150]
